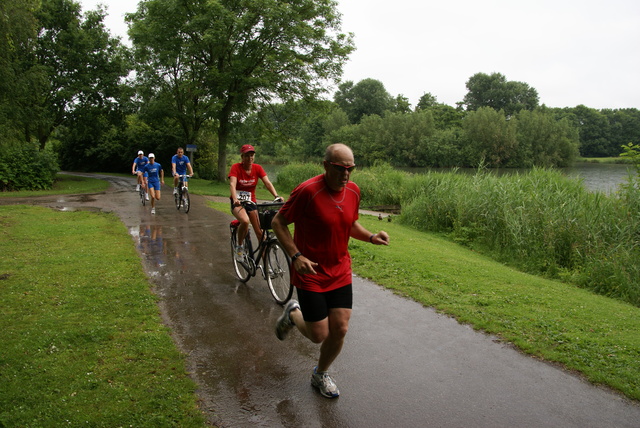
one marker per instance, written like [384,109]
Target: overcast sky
[571,51]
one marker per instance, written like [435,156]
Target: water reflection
[150,243]
[165,257]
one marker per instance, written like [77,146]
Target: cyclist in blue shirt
[179,165]
[138,169]
[155,180]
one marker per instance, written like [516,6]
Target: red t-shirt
[247,182]
[323,220]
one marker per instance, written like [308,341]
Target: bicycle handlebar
[276,202]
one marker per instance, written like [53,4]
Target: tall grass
[540,222]
[293,174]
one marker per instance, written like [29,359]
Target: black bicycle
[269,257]
[182,195]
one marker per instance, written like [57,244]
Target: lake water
[602,177]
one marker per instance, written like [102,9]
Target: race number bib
[244,195]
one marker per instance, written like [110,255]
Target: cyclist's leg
[255,222]
[241,214]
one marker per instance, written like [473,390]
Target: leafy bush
[25,167]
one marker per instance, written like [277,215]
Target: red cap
[247,148]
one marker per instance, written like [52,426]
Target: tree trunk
[224,129]
[223,137]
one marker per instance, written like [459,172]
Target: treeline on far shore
[540,222]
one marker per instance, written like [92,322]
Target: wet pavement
[402,364]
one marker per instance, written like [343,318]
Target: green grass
[82,339]
[64,184]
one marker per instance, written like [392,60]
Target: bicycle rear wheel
[186,202]
[278,275]
[242,269]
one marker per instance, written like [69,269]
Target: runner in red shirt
[243,179]
[324,210]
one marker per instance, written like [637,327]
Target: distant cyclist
[243,178]
[138,169]
[155,180]
[179,165]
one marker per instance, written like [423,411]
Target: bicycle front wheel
[278,275]
[176,198]
[142,198]
[186,202]
[243,272]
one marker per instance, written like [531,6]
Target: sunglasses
[341,168]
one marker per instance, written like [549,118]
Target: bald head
[338,164]
[338,151]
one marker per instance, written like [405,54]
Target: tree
[401,104]
[73,63]
[365,98]
[624,127]
[446,117]
[491,138]
[544,141]
[219,59]
[594,132]
[496,92]
[426,100]
[18,30]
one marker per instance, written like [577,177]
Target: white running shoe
[325,384]
[153,210]
[239,253]
[146,195]
[175,190]
[284,323]
[137,187]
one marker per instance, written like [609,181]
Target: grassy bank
[82,341]
[616,159]
[64,184]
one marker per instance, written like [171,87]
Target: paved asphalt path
[403,365]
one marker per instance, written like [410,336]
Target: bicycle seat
[235,223]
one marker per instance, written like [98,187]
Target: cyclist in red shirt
[324,210]
[243,179]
